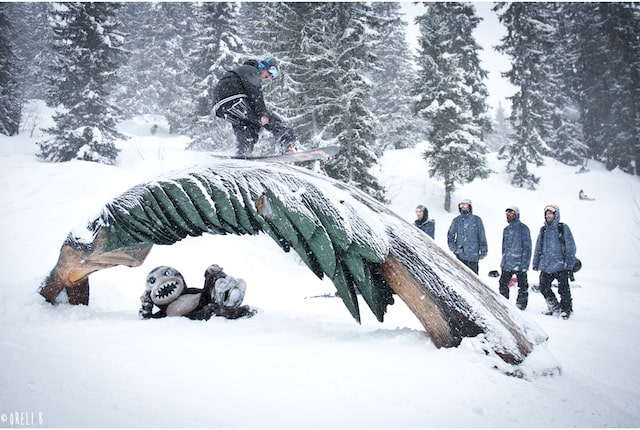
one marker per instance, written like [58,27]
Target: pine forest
[348,78]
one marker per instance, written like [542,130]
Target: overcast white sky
[488,34]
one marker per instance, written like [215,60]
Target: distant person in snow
[555,257]
[466,238]
[516,256]
[423,222]
[238,99]
[583,196]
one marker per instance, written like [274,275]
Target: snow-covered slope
[301,362]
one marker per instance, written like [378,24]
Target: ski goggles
[273,71]
[549,209]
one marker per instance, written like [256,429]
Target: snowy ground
[301,362]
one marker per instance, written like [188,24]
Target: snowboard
[536,288]
[292,157]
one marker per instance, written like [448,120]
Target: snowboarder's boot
[522,300]
[553,307]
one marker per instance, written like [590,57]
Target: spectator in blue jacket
[516,256]
[555,257]
[466,238]
[423,222]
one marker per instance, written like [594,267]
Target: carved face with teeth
[166,285]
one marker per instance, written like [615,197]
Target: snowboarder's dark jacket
[426,225]
[466,237]
[516,246]
[548,255]
[243,80]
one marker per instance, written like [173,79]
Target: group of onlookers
[554,254]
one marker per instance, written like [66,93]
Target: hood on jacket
[468,202]
[425,212]
[253,63]
[556,220]
[515,209]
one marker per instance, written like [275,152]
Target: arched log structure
[337,230]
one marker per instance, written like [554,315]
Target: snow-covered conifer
[88,52]
[449,93]
[327,52]
[392,78]
[529,42]
[498,140]
[218,48]
[10,93]
[32,45]
[158,76]
[607,44]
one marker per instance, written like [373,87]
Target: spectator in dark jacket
[238,99]
[516,256]
[555,257]
[466,238]
[423,222]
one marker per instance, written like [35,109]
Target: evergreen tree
[293,32]
[351,121]
[498,140]
[218,48]
[529,42]
[142,77]
[391,93]
[449,91]
[326,51]
[32,40]
[87,44]
[10,93]
[177,43]
[608,74]
[158,77]
[567,141]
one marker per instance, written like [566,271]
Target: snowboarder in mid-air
[238,99]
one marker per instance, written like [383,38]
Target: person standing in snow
[238,99]
[466,238]
[423,222]
[516,256]
[555,257]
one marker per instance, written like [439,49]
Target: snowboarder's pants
[566,303]
[523,287]
[473,265]
[247,134]
[246,124]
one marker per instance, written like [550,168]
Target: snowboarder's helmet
[464,206]
[271,64]
[513,208]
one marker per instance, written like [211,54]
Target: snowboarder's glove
[570,276]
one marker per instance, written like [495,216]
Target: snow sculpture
[337,230]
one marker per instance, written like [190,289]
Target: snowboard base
[291,157]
